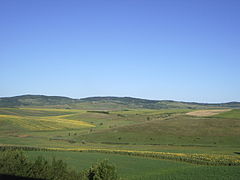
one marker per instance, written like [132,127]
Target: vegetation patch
[101,112]
[44,123]
[149,135]
[204,159]
[16,163]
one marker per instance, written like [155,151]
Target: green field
[143,168]
[168,130]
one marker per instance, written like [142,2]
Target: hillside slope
[221,129]
[34,100]
[105,103]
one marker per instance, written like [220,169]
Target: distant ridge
[35,100]
[107,102]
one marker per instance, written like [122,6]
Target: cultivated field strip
[202,159]
[44,123]
[206,113]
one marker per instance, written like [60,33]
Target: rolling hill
[105,103]
[211,135]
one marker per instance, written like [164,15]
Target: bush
[16,163]
[13,162]
[102,171]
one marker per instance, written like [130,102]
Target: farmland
[158,143]
[120,90]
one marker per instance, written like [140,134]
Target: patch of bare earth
[203,113]
[23,135]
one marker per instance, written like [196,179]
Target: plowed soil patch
[202,113]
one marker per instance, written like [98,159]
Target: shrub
[13,162]
[102,171]
[16,163]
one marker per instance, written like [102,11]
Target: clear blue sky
[185,50]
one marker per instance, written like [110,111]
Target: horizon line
[119,97]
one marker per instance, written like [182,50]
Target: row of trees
[16,163]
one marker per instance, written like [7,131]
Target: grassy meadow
[135,168]
[205,138]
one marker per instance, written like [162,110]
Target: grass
[143,168]
[176,130]
[197,173]
[204,159]
[234,114]
[137,129]
[132,127]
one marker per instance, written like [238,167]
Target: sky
[186,50]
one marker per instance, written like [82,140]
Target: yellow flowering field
[44,123]
[203,159]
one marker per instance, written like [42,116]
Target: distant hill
[105,103]
[34,100]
